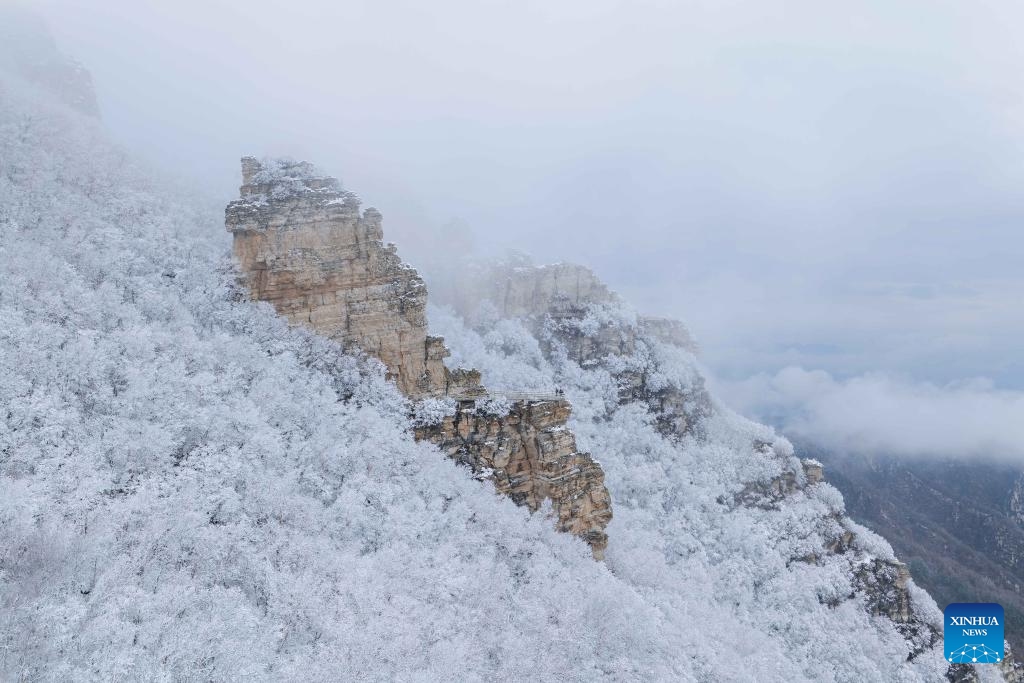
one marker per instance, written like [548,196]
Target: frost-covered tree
[190,490]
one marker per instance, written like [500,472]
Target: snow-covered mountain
[193,489]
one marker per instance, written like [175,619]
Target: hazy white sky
[878,413]
[835,186]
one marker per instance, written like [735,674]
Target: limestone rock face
[528,290]
[813,470]
[303,245]
[531,456]
[572,312]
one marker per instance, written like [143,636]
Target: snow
[191,490]
[432,411]
[494,405]
[737,571]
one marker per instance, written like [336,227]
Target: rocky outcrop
[303,244]
[953,521]
[885,584]
[518,289]
[574,315]
[668,331]
[768,494]
[579,322]
[530,456]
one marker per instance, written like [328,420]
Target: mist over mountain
[829,187]
[969,420]
[243,437]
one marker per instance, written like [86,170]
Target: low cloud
[885,414]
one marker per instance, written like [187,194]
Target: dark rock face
[569,329]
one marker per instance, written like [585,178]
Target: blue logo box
[973,633]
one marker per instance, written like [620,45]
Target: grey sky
[835,186]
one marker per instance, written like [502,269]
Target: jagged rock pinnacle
[303,245]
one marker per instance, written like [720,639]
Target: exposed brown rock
[576,317]
[885,584]
[531,456]
[304,246]
[813,470]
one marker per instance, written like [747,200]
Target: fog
[880,413]
[833,187]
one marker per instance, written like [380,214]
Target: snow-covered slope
[698,529]
[183,493]
[189,490]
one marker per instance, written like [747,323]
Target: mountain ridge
[190,486]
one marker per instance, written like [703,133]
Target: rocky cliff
[576,316]
[303,244]
[583,327]
[530,455]
[248,492]
[956,524]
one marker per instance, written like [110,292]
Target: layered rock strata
[303,244]
[531,457]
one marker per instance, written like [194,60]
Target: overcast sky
[831,186]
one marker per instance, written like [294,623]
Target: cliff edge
[303,245]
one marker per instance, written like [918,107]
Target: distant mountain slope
[957,524]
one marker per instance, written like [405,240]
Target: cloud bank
[825,185]
[878,413]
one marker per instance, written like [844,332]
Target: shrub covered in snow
[432,411]
[190,490]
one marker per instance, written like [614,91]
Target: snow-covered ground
[189,490]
